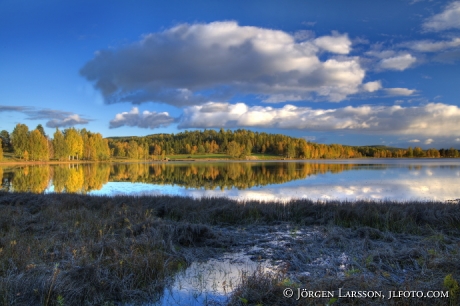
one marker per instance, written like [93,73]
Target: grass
[199,156]
[68,249]
[8,157]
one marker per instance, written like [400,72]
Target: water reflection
[350,179]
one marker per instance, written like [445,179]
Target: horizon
[384,73]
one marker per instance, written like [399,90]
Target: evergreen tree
[41,130]
[5,137]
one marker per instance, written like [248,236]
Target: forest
[73,144]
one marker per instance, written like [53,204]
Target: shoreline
[54,162]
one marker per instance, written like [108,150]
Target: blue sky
[349,72]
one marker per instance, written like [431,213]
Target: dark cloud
[56,118]
[6,108]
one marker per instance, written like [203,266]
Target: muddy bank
[74,249]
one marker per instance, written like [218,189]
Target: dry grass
[67,249]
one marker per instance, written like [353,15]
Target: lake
[352,179]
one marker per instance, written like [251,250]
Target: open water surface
[352,179]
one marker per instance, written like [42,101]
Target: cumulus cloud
[414,140]
[70,120]
[448,19]
[372,86]
[433,119]
[399,62]
[432,46]
[336,43]
[145,119]
[193,63]
[399,91]
[429,141]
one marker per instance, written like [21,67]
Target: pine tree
[41,130]
[5,137]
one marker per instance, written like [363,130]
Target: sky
[332,71]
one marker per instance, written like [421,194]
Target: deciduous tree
[74,143]
[20,139]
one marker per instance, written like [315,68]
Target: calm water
[404,179]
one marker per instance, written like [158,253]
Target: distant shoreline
[55,162]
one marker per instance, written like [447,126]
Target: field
[68,249]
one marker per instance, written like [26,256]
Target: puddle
[213,281]
[210,282]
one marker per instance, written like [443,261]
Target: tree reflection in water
[83,178]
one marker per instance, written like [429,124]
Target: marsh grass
[68,249]
[359,259]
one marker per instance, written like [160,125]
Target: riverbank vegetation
[67,249]
[72,144]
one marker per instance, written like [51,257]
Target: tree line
[70,144]
[385,152]
[73,144]
[237,144]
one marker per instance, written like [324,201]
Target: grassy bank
[67,249]
[10,159]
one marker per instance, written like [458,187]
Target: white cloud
[399,91]
[147,119]
[414,140]
[429,141]
[303,35]
[434,119]
[192,64]
[372,86]
[336,43]
[381,54]
[448,19]
[309,138]
[399,62]
[70,120]
[432,46]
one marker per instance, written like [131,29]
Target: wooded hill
[239,143]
